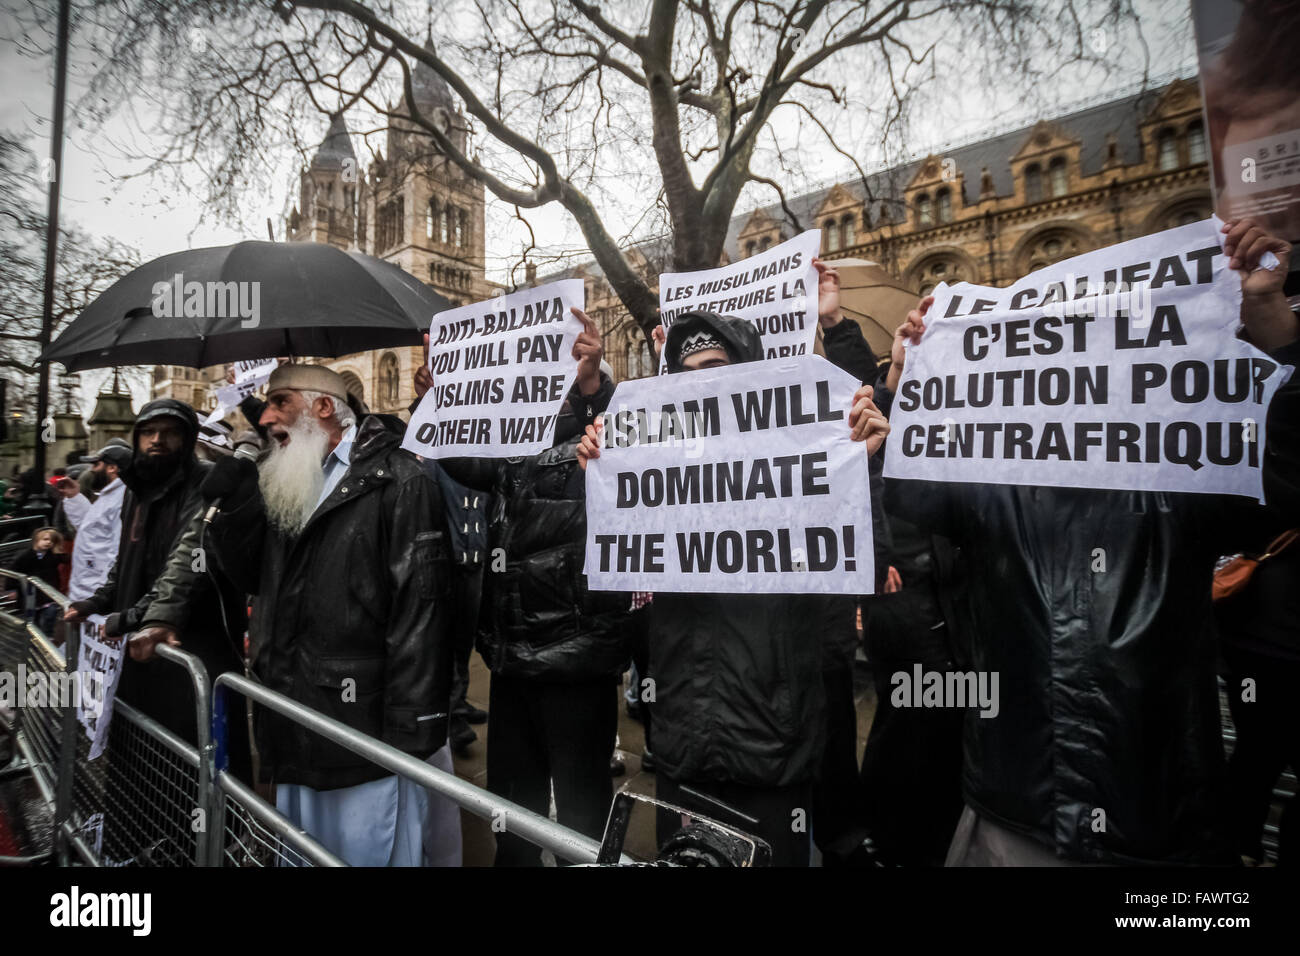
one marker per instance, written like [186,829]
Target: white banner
[1119,368]
[776,290]
[741,478]
[501,370]
[99,665]
[249,377]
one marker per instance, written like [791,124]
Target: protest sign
[741,478]
[1119,368]
[501,370]
[249,377]
[99,665]
[776,290]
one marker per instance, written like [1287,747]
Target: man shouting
[342,542]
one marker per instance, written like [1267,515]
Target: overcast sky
[155,217]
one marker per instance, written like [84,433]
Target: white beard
[291,478]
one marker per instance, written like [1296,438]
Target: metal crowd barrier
[566,844]
[153,799]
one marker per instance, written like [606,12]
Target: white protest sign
[501,370]
[99,665]
[1119,368]
[741,478]
[776,290]
[249,377]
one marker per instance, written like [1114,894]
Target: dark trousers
[467,590]
[550,734]
[1268,740]
[838,823]
[639,624]
[784,830]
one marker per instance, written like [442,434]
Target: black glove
[233,480]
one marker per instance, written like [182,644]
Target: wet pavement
[479,845]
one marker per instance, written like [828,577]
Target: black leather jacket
[351,617]
[1093,606]
[538,620]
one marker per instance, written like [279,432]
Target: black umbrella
[247,301]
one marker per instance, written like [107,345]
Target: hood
[739,337]
[174,408]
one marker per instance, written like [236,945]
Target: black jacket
[738,677]
[155,515]
[1093,606]
[538,620]
[350,617]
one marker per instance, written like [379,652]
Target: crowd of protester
[363,576]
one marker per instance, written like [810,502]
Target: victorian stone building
[411,206]
[985,212]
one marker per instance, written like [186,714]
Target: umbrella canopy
[874,299]
[251,300]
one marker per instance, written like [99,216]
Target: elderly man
[342,541]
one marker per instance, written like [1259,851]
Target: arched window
[389,379]
[749,248]
[1033,183]
[764,243]
[848,232]
[830,236]
[924,212]
[943,204]
[1195,143]
[1167,151]
[1057,178]
[449,224]
[431,220]
[462,228]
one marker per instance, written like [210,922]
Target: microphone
[248,452]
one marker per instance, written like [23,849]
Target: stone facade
[986,212]
[412,207]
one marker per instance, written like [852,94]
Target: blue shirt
[336,463]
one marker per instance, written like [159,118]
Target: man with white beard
[341,541]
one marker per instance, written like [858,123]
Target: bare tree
[573,100]
[85,268]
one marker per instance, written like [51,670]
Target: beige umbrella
[874,299]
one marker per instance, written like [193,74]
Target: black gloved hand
[233,480]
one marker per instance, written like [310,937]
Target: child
[42,561]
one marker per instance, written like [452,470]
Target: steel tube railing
[564,843]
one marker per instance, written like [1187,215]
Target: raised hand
[866,421]
[912,329]
[828,295]
[588,351]
[589,447]
[423,377]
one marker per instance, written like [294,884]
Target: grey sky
[155,217]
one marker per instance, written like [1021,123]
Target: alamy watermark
[956,689]
[59,689]
[212,300]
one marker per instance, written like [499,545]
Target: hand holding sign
[866,424]
[498,371]
[910,331]
[866,421]
[828,294]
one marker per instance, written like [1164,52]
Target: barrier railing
[154,799]
[566,844]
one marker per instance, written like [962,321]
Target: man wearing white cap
[341,541]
